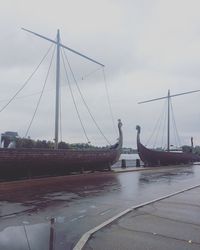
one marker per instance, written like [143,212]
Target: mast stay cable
[108,98]
[60,119]
[73,98]
[163,131]
[27,80]
[50,89]
[156,125]
[176,134]
[40,97]
[83,99]
[158,130]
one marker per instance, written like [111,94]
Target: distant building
[128,151]
[8,137]
[10,134]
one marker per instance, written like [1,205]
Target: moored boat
[153,158]
[30,163]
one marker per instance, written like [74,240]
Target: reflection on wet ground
[163,176]
[36,195]
[53,213]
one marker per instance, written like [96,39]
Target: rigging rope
[90,73]
[108,98]
[158,131]
[26,82]
[156,125]
[77,111]
[50,89]
[38,103]
[163,131]
[60,119]
[176,134]
[78,88]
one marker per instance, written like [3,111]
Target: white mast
[57,90]
[57,106]
[168,121]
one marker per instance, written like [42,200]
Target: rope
[174,132]
[163,131]
[108,98]
[50,89]
[60,119]
[175,127]
[90,73]
[156,125]
[92,117]
[77,111]
[40,94]
[158,131]
[26,82]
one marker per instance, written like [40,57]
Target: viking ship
[155,158]
[151,157]
[19,163]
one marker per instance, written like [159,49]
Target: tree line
[30,143]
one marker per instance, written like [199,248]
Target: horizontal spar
[168,96]
[65,47]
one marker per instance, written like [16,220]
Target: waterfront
[72,205]
[129,158]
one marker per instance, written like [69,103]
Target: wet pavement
[173,223]
[54,213]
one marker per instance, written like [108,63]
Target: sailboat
[152,157]
[19,163]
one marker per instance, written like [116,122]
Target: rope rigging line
[40,97]
[158,131]
[90,73]
[164,115]
[26,82]
[73,98]
[60,119]
[164,131]
[174,131]
[175,127]
[83,99]
[50,89]
[108,98]
[156,125]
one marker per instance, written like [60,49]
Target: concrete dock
[54,213]
[172,223]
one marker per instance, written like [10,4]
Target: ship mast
[168,110]
[168,121]
[57,90]
[57,102]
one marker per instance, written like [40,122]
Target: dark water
[55,215]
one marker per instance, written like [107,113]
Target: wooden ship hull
[37,163]
[30,163]
[162,158]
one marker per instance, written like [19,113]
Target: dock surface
[173,223]
[54,213]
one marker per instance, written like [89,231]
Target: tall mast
[168,107]
[57,90]
[59,45]
[168,121]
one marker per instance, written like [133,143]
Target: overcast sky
[147,46]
